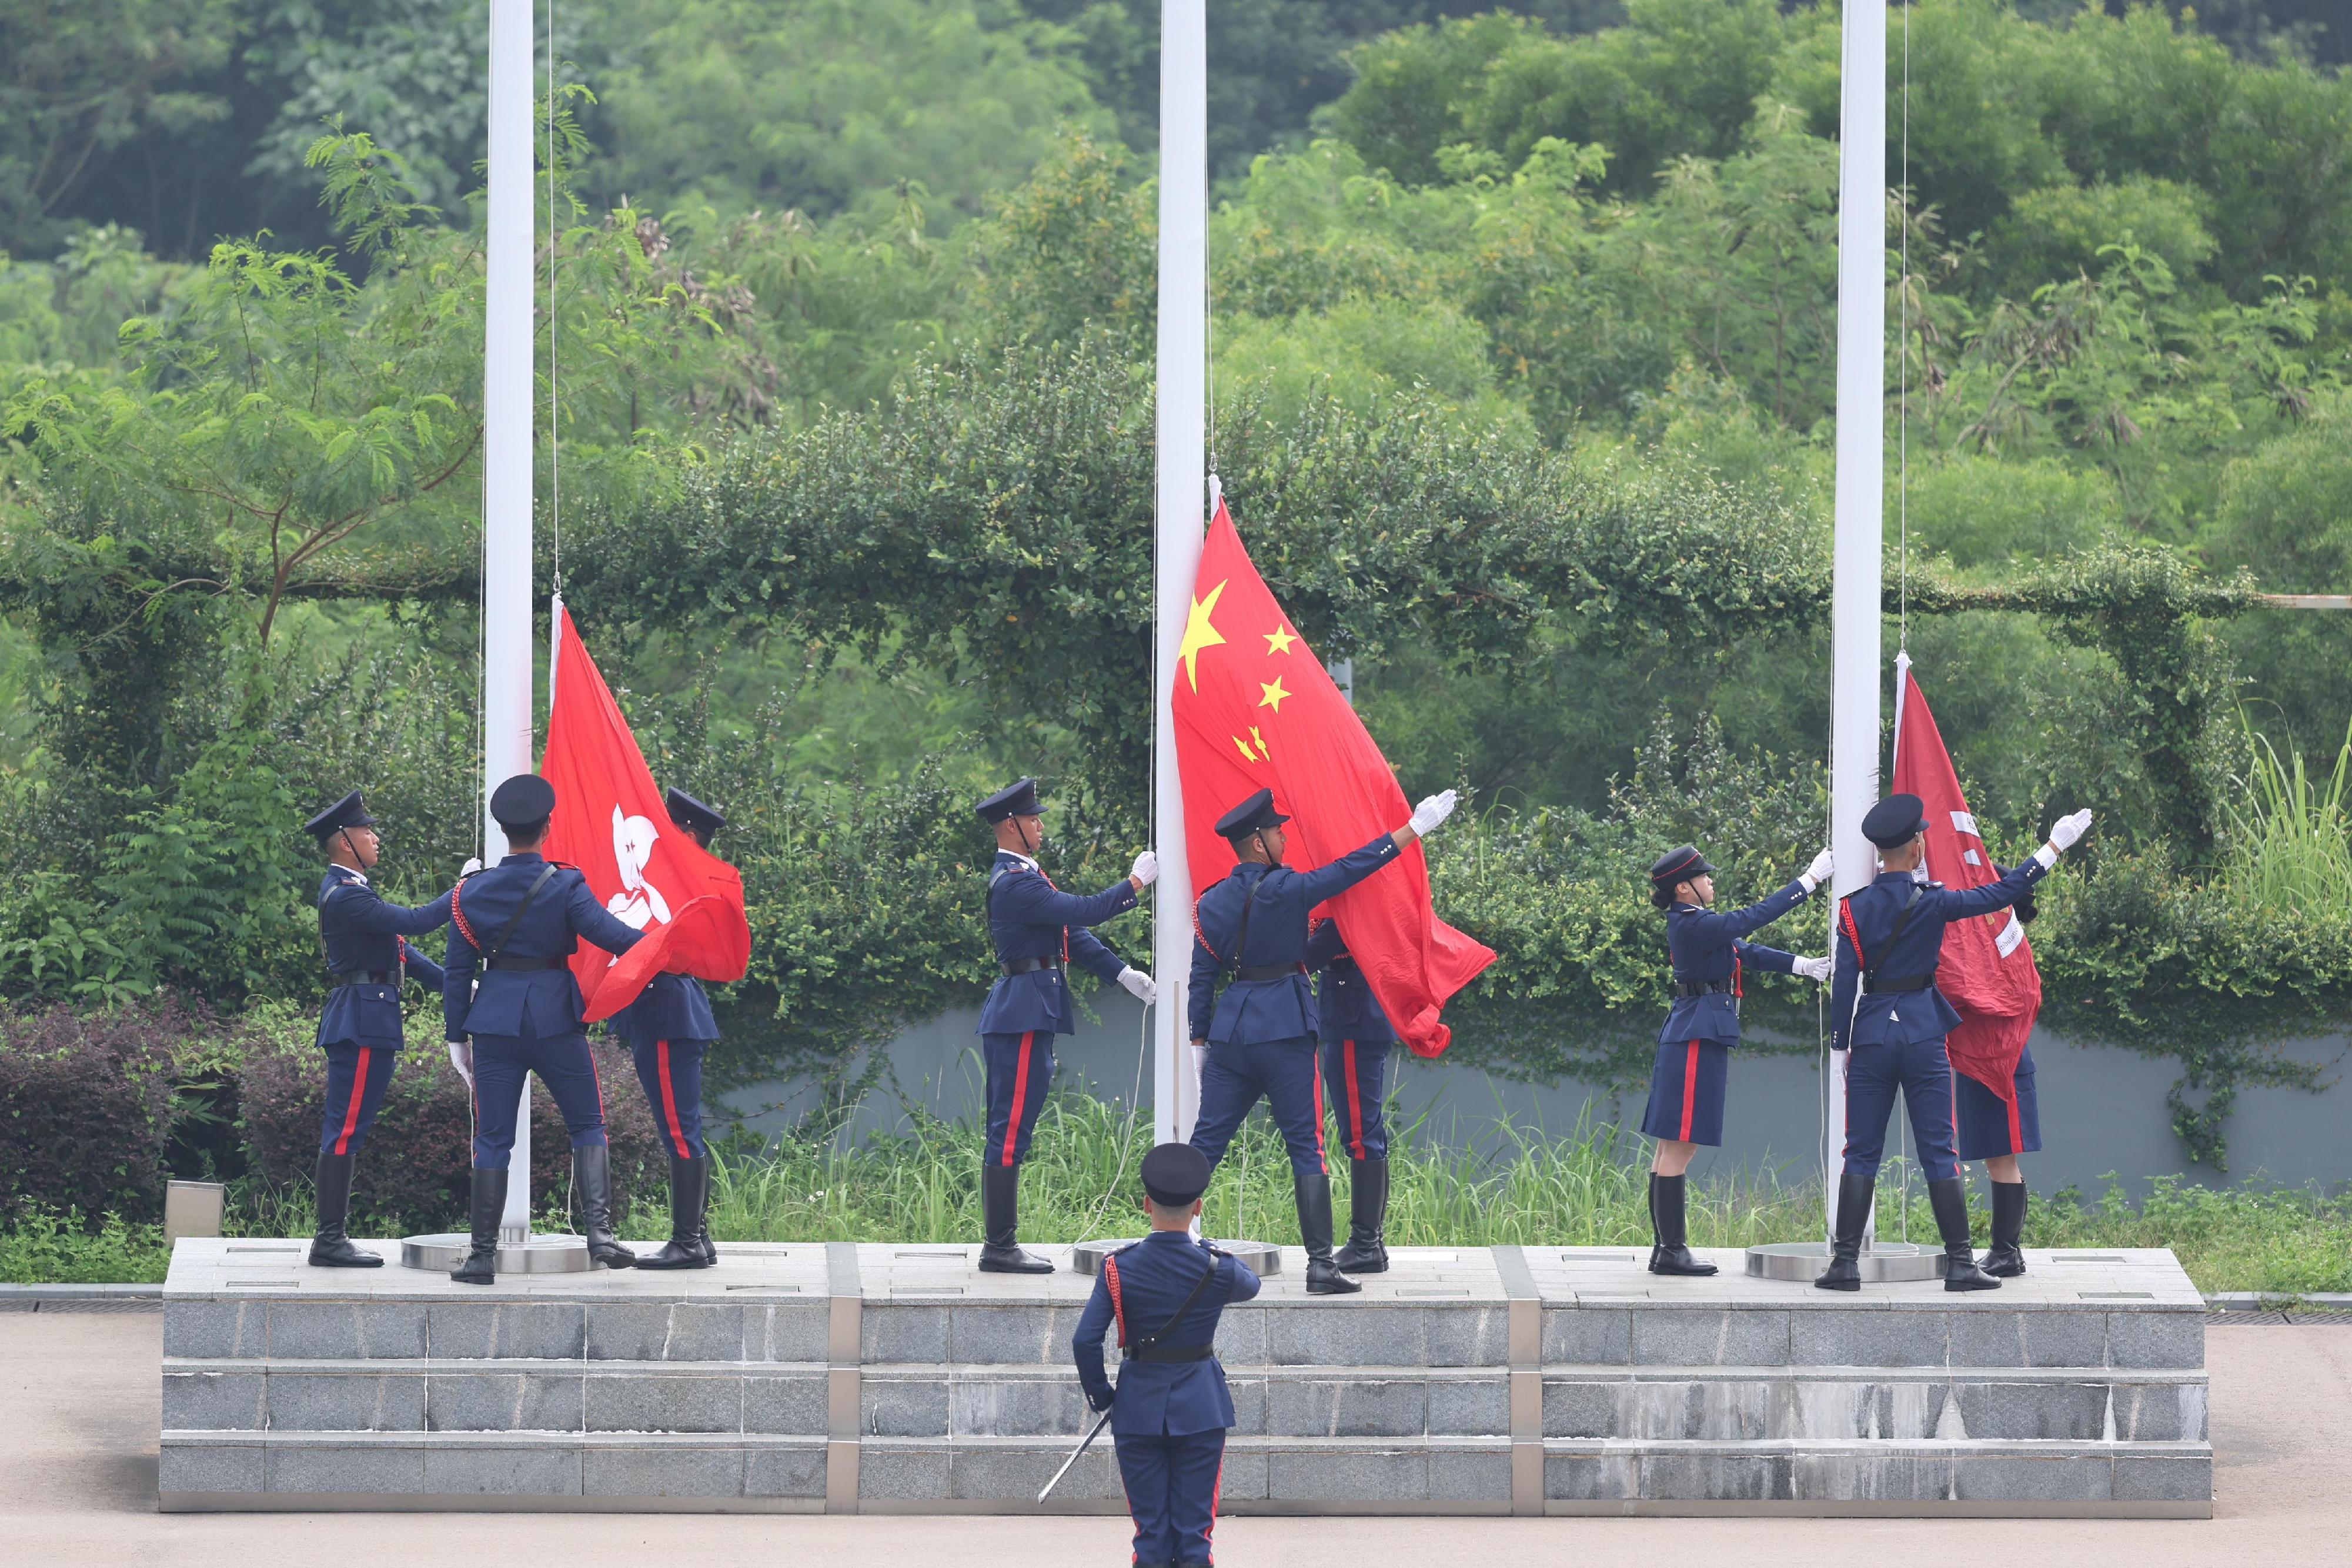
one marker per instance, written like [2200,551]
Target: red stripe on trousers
[1690,1089]
[2016,1126]
[1215,1492]
[1020,1096]
[352,1114]
[1355,1101]
[669,1099]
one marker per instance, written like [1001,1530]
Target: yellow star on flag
[1272,696]
[1247,754]
[1263,750]
[1199,634]
[1279,639]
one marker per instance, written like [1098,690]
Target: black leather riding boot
[487,1206]
[689,1185]
[330,1248]
[592,1183]
[1367,1252]
[1950,1199]
[2007,1259]
[1323,1275]
[1671,1253]
[1844,1272]
[1000,1208]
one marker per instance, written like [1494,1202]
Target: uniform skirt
[1686,1092]
[1985,1126]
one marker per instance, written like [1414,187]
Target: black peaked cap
[1175,1174]
[522,801]
[1247,818]
[347,812]
[1015,799]
[1894,822]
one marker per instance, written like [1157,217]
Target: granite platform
[844,1377]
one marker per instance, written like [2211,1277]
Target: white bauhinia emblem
[639,903]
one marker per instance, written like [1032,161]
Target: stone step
[1719,1404]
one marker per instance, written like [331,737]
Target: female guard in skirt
[1694,1064]
[1997,1130]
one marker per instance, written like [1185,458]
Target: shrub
[414,1176]
[86,1108]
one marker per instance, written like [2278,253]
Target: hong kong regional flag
[1255,710]
[1988,972]
[610,822]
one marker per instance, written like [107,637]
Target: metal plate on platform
[1262,1258]
[1886,1263]
[538,1255]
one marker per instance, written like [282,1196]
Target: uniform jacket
[1029,917]
[362,930]
[1866,922]
[1706,949]
[1157,1398]
[1255,1012]
[539,1002]
[1344,998]
[671,1007]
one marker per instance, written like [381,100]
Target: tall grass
[2289,848]
[1587,1187]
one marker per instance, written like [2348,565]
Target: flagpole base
[538,1255]
[1262,1258]
[1886,1263]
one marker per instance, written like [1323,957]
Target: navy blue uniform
[1261,1026]
[668,1029]
[1038,930]
[1893,1031]
[1168,1417]
[1356,1037]
[1989,1125]
[1690,1079]
[365,939]
[525,1017]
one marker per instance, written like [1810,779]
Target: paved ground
[79,1413]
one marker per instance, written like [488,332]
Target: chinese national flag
[1255,710]
[610,822]
[1988,971]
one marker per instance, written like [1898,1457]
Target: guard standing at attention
[367,960]
[1170,1410]
[1356,1036]
[1693,1068]
[668,1028]
[1259,1030]
[1039,931]
[518,924]
[1997,1130]
[1888,1017]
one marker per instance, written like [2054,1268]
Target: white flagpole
[1854,612]
[507,365]
[1179,523]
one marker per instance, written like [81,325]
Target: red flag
[1256,709]
[610,822]
[1988,972]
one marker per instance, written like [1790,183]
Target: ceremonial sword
[1083,1442]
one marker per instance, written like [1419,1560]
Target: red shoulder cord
[458,913]
[1117,1307]
[1736,991]
[1846,915]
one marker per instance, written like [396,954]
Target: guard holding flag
[668,1028]
[1259,1027]
[1890,1020]
[1171,1409]
[1356,1036]
[1039,931]
[367,960]
[517,924]
[1693,1068]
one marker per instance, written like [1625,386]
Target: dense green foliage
[1523,393]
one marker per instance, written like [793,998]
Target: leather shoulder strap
[507,933]
[1198,1285]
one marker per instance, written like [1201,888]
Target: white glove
[461,1057]
[1431,813]
[1139,985]
[1819,871]
[473,864]
[2067,831]
[1820,968]
[1146,870]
